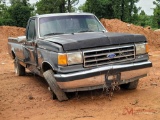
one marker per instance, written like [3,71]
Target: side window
[31,33]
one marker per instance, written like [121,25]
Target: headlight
[70,58]
[74,58]
[141,48]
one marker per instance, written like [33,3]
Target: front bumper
[94,78]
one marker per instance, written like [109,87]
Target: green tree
[101,8]
[157,13]
[19,12]
[142,19]
[2,9]
[47,6]
[24,2]
[125,10]
[4,15]
[55,6]
[71,4]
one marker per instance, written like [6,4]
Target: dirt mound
[115,25]
[5,32]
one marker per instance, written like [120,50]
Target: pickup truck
[74,52]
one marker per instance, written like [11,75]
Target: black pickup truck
[74,52]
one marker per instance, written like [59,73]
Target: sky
[147,6]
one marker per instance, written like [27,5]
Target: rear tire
[130,86]
[19,69]
[60,94]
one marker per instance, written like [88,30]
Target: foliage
[144,20]
[47,6]
[101,8]
[157,13]
[4,14]
[125,10]
[55,6]
[6,22]
[17,14]
[20,10]
[71,4]
[20,14]
[24,2]
[3,9]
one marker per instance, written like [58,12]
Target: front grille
[109,55]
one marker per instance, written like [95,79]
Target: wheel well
[13,55]
[46,66]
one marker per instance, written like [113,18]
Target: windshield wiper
[53,34]
[85,31]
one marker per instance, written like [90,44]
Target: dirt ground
[27,97]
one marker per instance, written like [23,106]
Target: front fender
[46,57]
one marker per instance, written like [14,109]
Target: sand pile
[5,32]
[115,25]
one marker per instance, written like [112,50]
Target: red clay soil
[27,97]
[5,32]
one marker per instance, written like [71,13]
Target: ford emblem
[111,55]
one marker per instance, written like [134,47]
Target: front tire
[19,69]
[60,94]
[131,85]
[53,96]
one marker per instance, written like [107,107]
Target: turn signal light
[62,59]
[147,48]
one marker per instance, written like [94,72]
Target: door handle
[24,43]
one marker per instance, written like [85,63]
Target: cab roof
[60,14]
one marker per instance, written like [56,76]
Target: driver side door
[30,46]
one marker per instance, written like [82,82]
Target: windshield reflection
[69,24]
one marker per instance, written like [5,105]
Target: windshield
[69,24]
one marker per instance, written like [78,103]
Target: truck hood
[79,41]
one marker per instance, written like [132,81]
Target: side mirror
[21,39]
